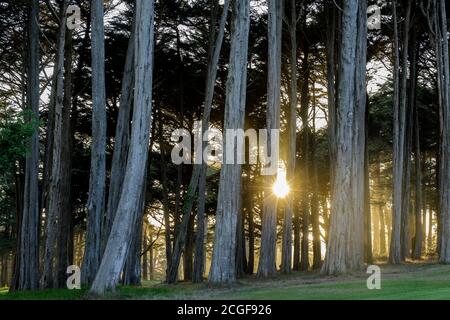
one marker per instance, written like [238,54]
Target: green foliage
[15,132]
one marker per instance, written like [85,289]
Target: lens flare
[280,187]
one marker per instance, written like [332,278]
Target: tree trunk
[345,246]
[398,153]
[28,255]
[267,256]
[53,206]
[95,206]
[286,256]
[65,235]
[444,187]
[223,269]
[315,214]
[121,141]
[127,210]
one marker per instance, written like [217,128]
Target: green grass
[409,281]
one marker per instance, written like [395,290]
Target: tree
[28,260]
[120,238]
[267,260]
[54,151]
[95,206]
[223,268]
[345,250]
[286,256]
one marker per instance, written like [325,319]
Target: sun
[280,187]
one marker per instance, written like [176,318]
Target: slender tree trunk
[223,269]
[267,256]
[53,207]
[65,235]
[121,141]
[200,254]
[286,256]
[305,176]
[315,213]
[444,187]
[127,210]
[418,237]
[28,255]
[145,256]
[251,234]
[398,153]
[95,206]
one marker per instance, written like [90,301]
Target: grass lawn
[408,281]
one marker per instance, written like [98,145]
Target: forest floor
[408,281]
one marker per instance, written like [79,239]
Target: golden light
[280,187]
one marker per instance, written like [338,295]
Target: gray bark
[121,142]
[345,250]
[53,206]
[267,256]
[121,232]
[286,256]
[95,206]
[223,268]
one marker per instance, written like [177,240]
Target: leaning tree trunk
[120,238]
[199,170]
[95,206]
[345,250]
[121,142]
[28,255]
[267,256]
[286,253]
[214,51]
[223,269]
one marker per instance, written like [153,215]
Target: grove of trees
[359,91]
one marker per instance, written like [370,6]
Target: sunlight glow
[280,187]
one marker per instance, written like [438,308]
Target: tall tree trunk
[267,256]
[286,256]
[398,153]
[28,255]
[418,238]
[128,208]
[65,229]
[315,214]
[95,206]
[251,233]
[200,254]
[121,141]
[223,269]
[414,109]
[345,246]
[305,176]
[53,206]
[368,244]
